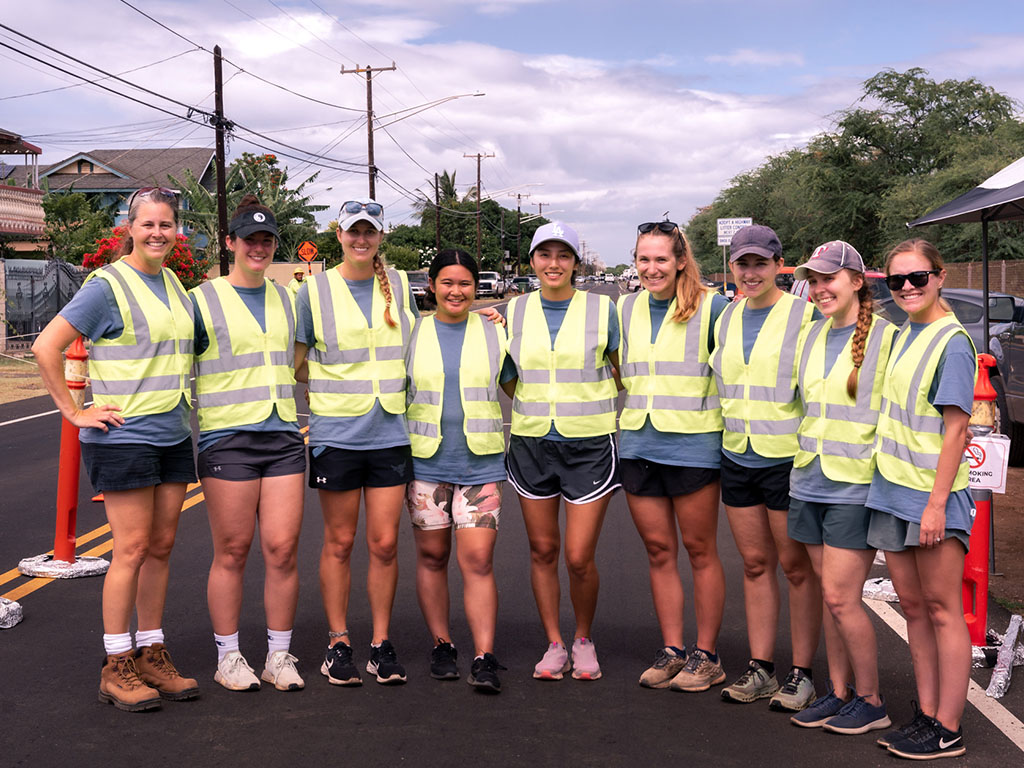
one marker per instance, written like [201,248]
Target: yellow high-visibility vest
[352,365]
[244,372]
[571,384]
[836,428]
[146,369]
[483,350]
[669,380]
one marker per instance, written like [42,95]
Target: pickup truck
[490,285]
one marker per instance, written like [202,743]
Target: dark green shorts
[893,534]
[844,526]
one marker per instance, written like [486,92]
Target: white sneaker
[235,674]
[280,670]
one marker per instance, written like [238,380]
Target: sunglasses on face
[148,191]
[354,206]
[668,227]
[917,279]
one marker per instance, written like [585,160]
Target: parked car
[420,290]
[633,284]
[880,291]
[490,285]
[522,284]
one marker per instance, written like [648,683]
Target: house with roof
[21,206]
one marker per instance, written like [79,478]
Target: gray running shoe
[667,664]
[699,673]
[755,683]
[796,693]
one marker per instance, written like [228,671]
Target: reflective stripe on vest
[835,428]
[570,384]
[910,429]
[353,364]
[478,385]
[669,380]
[759,401]
[245,372]
[146,369]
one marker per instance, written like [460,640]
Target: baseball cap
[556,230]
[361,209]
[249,222]
[756,239]
[830,258]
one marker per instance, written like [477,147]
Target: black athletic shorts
[752,486]
[252,455]
[641,477]
[128,466]
[344,469]
[580,471]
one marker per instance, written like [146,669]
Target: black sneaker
[442,661]
[930,742]
[384,664]
[484,674]
[338,667]
[905,731]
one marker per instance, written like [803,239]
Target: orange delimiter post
[68,472]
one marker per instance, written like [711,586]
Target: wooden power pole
[437,215]
[479,194]
[222,197]
[371,169]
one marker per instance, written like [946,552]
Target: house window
[84,166]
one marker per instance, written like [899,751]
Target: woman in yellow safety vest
[352,332]
[671,447]
[136,438]
[921,507]
[458,448]
[252,458]
[841,366]
[755,368]
[561,375]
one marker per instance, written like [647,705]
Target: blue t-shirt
[454,462]
[376,428]
[255,301]
[753,321]
[953,386]
[94,313]
[809,483]
[703,449]
[554,314]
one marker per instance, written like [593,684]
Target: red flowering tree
[190,270]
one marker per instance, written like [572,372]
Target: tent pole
[984,283]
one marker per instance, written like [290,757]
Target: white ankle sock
[225,644]
[117,643]
[148,637]
[278,640]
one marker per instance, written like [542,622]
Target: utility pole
[371,169]
[479,194]
[519,227]
[437,215]
[540,209]
[220,124]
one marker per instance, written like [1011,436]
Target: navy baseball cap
[756,239]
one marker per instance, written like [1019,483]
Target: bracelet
[335,635]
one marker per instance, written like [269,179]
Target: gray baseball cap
[829,258]
[556,230]
[756,239]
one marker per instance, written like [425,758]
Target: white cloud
[749,57]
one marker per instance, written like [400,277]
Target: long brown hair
[154,195]
[922,248]
[860,334]
[689,288]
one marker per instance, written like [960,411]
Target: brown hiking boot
[157,670]
[121,686]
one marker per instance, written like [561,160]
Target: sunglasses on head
[917,279]
[354,206]
[668,227]
[147,191]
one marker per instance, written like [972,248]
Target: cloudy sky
[609,112]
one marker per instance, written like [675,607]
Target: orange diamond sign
[307,251]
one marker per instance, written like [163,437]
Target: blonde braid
[385,287]
[860,335]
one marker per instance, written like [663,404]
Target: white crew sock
[148,637]
[278,640]
[117,643]
[225,644]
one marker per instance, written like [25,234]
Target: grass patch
[1012,606]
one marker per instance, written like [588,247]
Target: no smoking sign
[987,459]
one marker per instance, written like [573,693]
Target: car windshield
[418,278]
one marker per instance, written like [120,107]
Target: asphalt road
[49,664]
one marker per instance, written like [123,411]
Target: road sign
[727,228]
[307,251]
[987,459]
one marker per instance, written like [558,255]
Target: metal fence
[32,292]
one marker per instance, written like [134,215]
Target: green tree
[74,222]
[258,175]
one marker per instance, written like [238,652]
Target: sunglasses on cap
[354,206]
[668,227]
[147,191]
[917,279]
